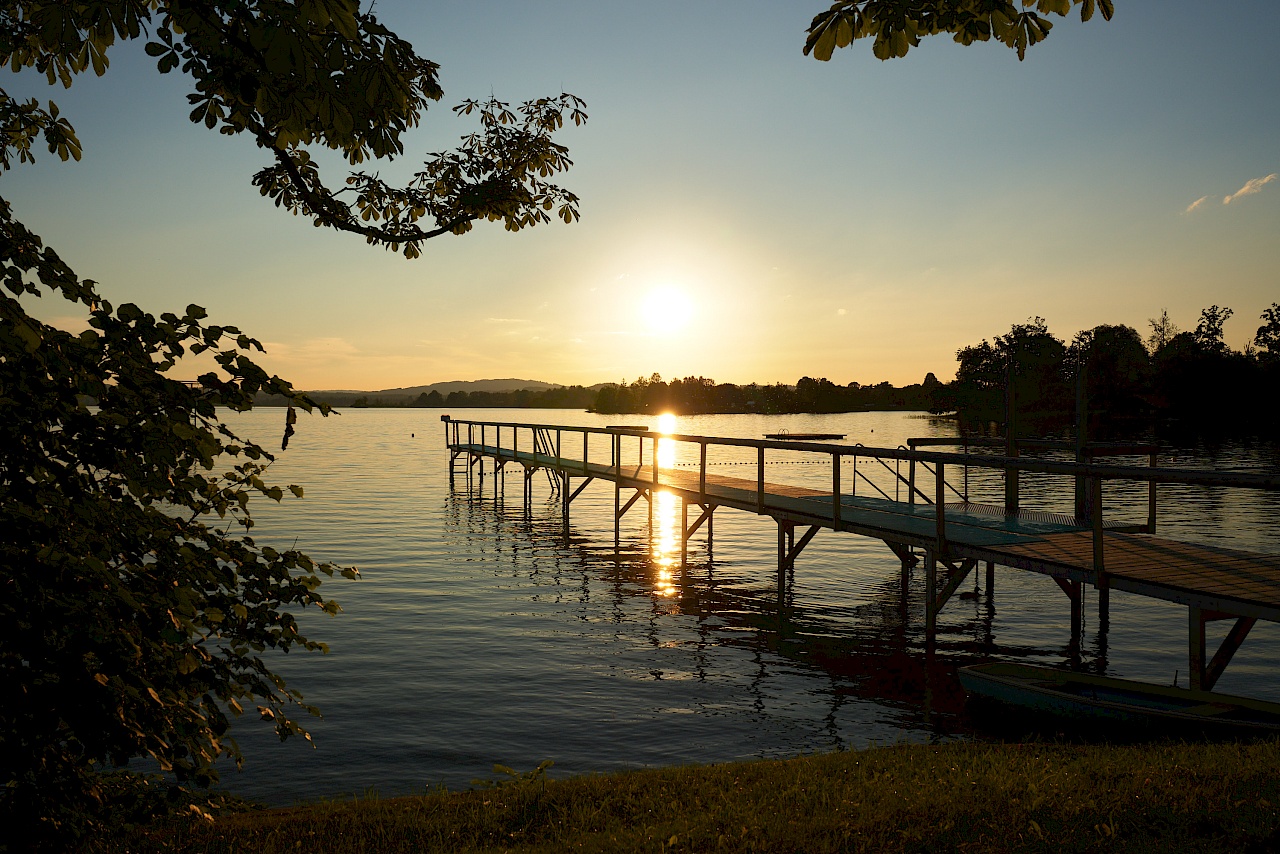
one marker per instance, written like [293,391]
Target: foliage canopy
[896,26]
[1179,381]
[133,621]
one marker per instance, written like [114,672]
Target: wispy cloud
[1253,185]
[1196,204]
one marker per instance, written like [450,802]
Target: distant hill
[467,385]
[402,396]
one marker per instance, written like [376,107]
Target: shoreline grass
[953,797]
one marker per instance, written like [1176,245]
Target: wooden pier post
[1099,562]
[684,532]
[782,564]
[1195,647]
[991,580]
[1082,494]
[940,511]
[564,500]
[1010,439]
[930,591]
[1151,497]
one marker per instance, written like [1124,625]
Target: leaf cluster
[498,174]
[137,614]
[297,74]
[133,621]
[896,26]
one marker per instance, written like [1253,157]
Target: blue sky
[857,219]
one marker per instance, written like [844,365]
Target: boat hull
[1086,698]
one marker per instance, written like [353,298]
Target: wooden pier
[951,538]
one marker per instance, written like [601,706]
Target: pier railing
[547,442]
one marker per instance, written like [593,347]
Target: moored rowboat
[1086,697]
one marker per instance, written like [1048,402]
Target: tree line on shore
[652,394]
[1128,385]
[559,397]
[699,396]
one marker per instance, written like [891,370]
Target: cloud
[1196,204]
[1253,185]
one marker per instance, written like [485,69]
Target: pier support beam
[788,550]
[620,509]
[529,472]
[1205,676]
[687,530]
[903,553]
[934,599]
[1075,592]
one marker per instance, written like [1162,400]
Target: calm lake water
[476,636]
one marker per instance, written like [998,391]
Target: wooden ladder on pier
[542,444]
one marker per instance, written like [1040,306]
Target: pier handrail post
[1011,479]
[617,457]
[471,433]
[854,490]
[702,473]
[482,438]
[557,447]
[515,443]
[835,485]
[1099,567]
[760,478]
[911,474]
[1151,498]
[654,460]
[940,503]
[585,434]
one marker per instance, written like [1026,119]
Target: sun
[666,310]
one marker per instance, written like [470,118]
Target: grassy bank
[956,797]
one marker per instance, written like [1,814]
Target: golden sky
[748,214]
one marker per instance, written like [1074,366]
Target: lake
[476,636]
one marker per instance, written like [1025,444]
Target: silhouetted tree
[1267,338]
[1162,331]
[132,620]
[1034,360]
[1117,369]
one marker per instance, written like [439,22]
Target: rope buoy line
[768,463]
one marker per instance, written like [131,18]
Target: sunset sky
[748,214]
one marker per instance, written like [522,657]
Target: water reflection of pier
[951,538]
[873,652]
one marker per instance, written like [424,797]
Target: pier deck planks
[1240,581]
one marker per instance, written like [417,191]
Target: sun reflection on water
[665,553]
[665,547]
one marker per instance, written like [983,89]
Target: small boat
[1085,697]
[803,437]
